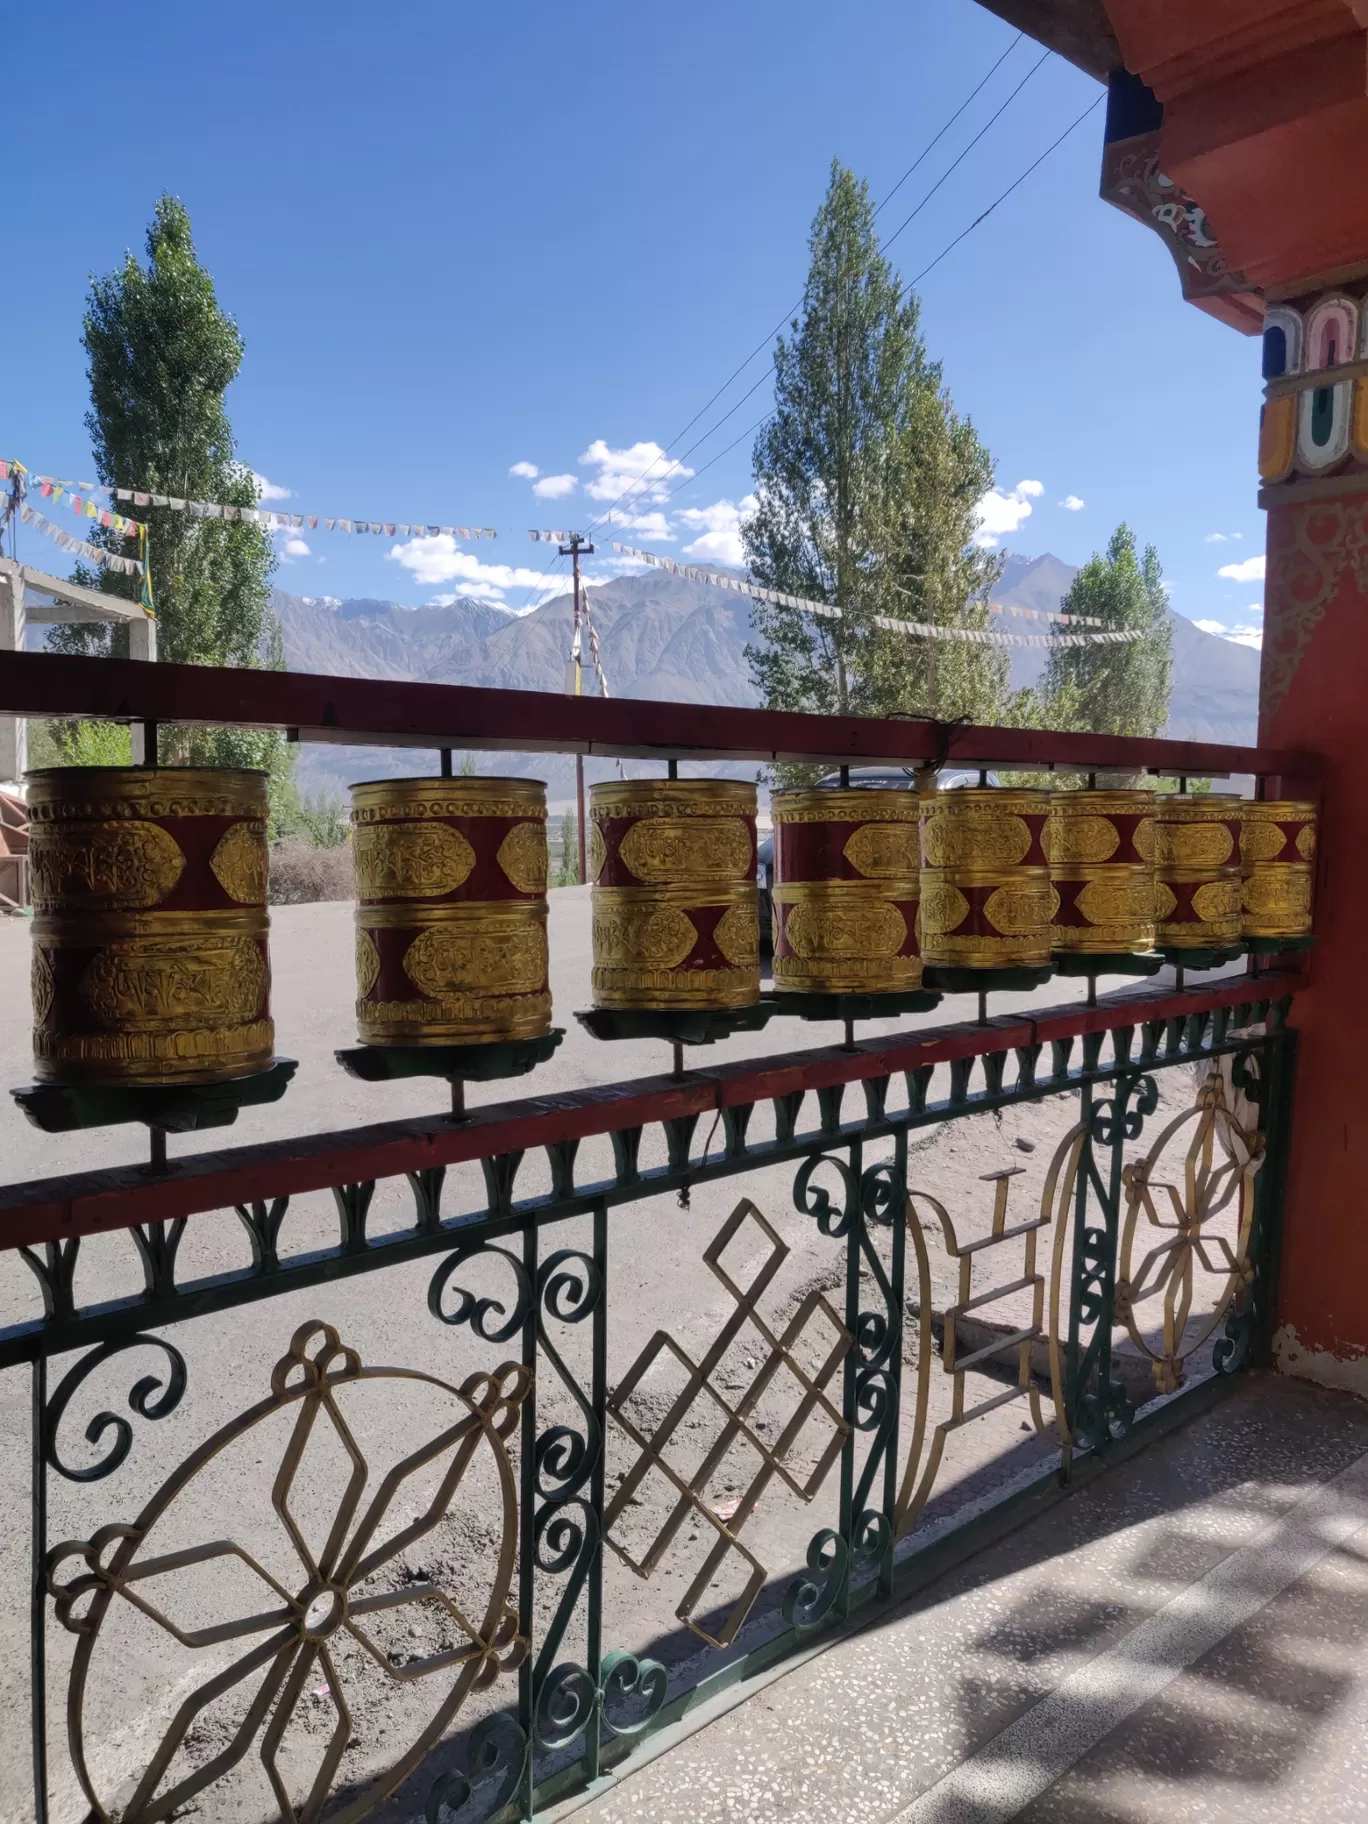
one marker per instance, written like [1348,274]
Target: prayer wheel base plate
[953,980]
[186,1108]
[1278,946]
[1119,962]
[1201,959]
[485,1063]
[853,1006]
[683,1026]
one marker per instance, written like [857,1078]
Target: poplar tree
[1120,689]
[161,355]
[867,481]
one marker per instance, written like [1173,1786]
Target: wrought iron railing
[460,1454]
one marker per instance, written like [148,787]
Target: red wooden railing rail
[380,712]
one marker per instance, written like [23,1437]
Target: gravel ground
[657,1280]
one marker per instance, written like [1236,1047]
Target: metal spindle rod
[446,762]
[157,1153]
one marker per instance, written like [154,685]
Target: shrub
[302,873]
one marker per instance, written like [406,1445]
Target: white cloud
[719,529]
[1072,504]
[654,526]
[1254,608]
[1250,571]
[526,471]
[554,487]
[999,513]
[295,547]
[438,559]
[1216,627]
[267,490]
[644,470]
[1221,538]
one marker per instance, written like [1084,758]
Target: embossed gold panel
[522,856]
[885,851]
[240,863]
[665,850]
[106,867]
[507,957]
[410,860]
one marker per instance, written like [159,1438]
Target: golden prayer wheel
[1197,870]
[450,911]
[1101,849]
[986,897]
[675,903]
[845,894]
[1278,857]
[150,962]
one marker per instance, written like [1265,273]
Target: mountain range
[667,638]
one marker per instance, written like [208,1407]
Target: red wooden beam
[91,1203]
[381,712]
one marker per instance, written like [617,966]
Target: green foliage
[1121,689]
[161,356]
[79,744]
[867,482]
[323,822]
[567,874]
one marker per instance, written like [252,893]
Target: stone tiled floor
[1184,1639]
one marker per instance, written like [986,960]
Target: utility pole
[574,684]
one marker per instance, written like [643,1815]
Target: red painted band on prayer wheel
[451,910]
[1278,865]
[986,898]
[675,903]
[1101,848]
[150,961]
[1197,869]
[846,891]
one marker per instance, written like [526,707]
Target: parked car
[887,778]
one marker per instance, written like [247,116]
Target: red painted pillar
[1315,695]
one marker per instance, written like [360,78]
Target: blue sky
[463,241]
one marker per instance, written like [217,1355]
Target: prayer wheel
[1278,860]
[450,911]
[1101,848]
[1197,870]
[986,898]
[845,893]
[675,903]
[150,961]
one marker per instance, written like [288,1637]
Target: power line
[764,344]
[1044,57]
[950,246]
[932,144]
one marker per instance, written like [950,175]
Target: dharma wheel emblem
[321,1600]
